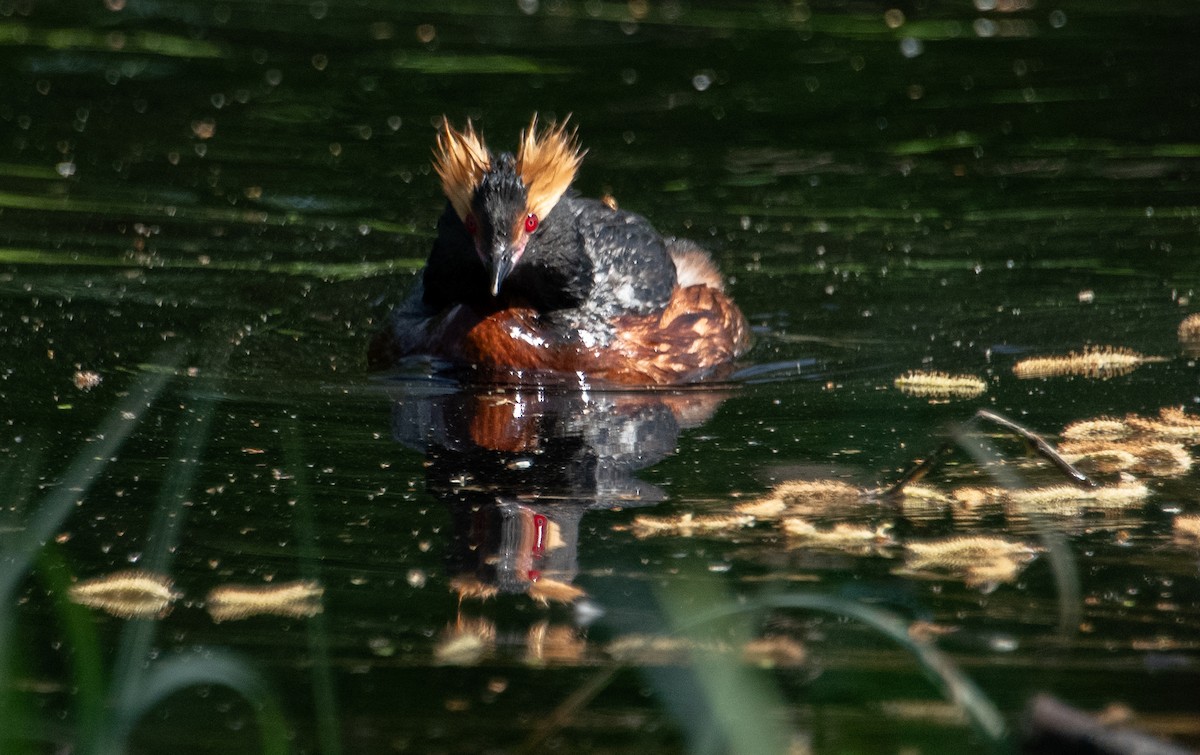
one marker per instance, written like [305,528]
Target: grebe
[527,279]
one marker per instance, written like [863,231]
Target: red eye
[470,224]
[531,223]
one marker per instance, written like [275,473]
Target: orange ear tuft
[460,159]
[547,163]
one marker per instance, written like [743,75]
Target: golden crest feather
[547,163]
[460,159]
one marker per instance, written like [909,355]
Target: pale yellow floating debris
[969,497]
[924,493]
[1156,458]
[1095,362]
[966,551]
[1163,459]
[1101,458]
[774,652]
[923,502]
[764,508]
[940,385]
[841,535]
[547,591]
[85,380]
[1172,423]
[980,561]
[1189,329]
[1189,335]
[918,501]
[1175,415]
[1187,530]
[993,571]
[300,599]
[804,497]
[1067,499]
[689,524]
[1101,428]
[826,492]
[131,594]
[1056,499]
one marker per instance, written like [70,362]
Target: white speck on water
[910,47]
[1003,643]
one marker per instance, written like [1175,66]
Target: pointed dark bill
[502,265]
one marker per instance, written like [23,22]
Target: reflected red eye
[531,223]
[471,225]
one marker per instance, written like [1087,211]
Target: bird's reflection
[518,469]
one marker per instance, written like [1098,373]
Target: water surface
[210,206]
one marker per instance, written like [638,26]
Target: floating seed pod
[987,574]
[1099,457]
[774,652]
[970,497]
[1189,335]
[1069,500]
[764,508]
[841,535]
[1096,362]
[127,594]
[1162,459]
[1101,428]
[827,492]
[1155,458]
[940,385]
[296,600]
[980,561]
[1187,530]
[966,551]
[1176,416]
[1172,423]
[687,525]
[804,498]
[1189,329]
[919,501]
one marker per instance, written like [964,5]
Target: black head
[500,221]
[502,200]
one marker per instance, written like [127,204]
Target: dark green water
[210,205]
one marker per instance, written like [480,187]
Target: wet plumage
[526,277]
